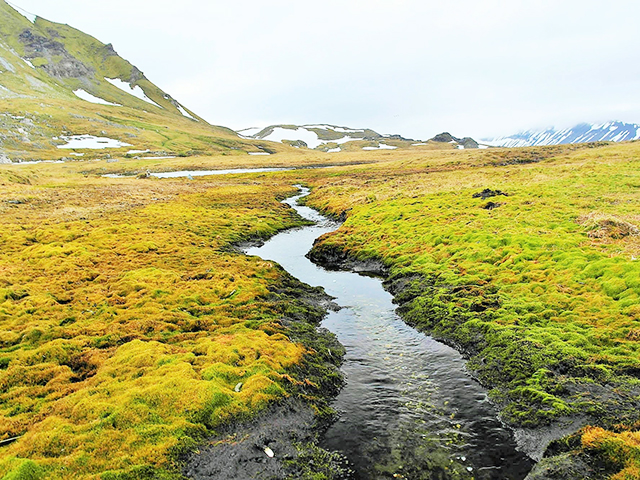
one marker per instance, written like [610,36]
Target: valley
[179,300]
[129,316]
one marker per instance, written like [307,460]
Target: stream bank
[282,441]
[554,441]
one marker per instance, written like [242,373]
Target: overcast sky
[414,67]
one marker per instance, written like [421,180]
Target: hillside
[58,84]
[581,133]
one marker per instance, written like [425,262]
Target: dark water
[409,408]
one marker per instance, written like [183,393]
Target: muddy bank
[337,259]
[281,441]
[501,363]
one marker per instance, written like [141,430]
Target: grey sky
[414,67]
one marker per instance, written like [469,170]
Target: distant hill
[329,138]
[58,83]
[581,133]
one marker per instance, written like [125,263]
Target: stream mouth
[409,408]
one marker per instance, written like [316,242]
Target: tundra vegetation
[527,261]
[130,328]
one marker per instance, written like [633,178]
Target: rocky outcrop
[446,137]
[59,62]
[468,142]
[136,75]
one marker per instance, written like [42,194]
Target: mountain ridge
[57,81]
[332,138]
[325,137]
[612,131]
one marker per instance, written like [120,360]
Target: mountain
[62,87]
[328,138]
[581,133]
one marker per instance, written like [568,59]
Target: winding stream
[409,408]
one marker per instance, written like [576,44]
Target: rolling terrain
[539,293]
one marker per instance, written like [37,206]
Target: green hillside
[56,82]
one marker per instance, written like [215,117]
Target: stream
[409,408]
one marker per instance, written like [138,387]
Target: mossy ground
[127,321]
[539,286]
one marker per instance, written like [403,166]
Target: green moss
[26,470]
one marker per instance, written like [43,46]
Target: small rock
[486,193]
[492,205]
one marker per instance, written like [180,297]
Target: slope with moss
[524,259]
[56,82]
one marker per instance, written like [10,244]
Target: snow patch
[342,140]
[35,162]
[134,90]
[310,138]
[185,113]
[29,63]
[7,65]
[156,158]
[249,132]
[334,150]
[259,153]
[335,129]
[417,144]
[134,152]
[381,146]
[84,95]
[347,130]
[91,142]
[203,173]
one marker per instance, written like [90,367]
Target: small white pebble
[269,452]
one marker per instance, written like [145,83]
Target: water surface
[201,173]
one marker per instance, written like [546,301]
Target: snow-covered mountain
[581,133]
[323,137]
